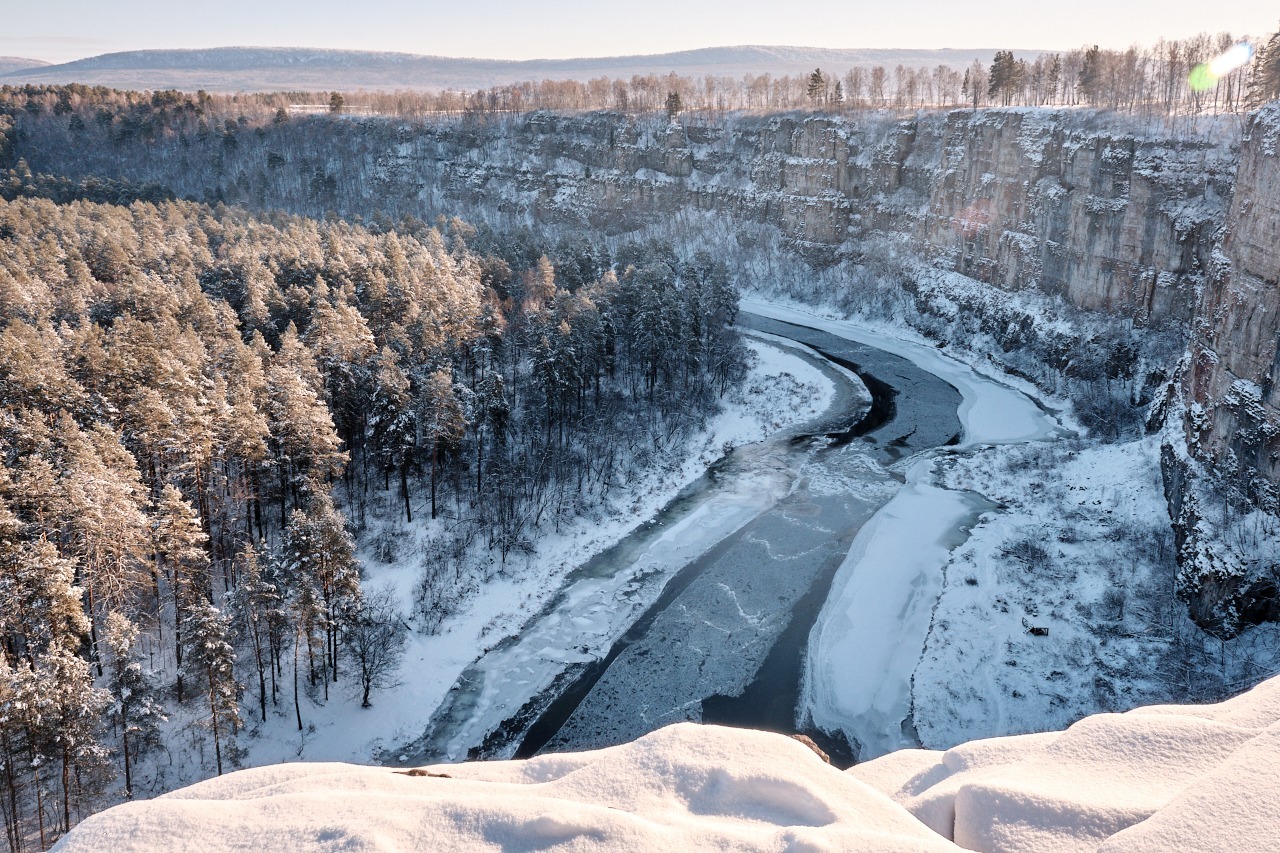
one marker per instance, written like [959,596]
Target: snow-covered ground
[1061,603]
[781,389]
[1153,780]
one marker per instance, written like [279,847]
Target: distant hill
[230,69]
[9,64]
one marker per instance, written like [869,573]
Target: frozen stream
[722,588]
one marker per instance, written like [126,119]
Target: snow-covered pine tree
[180,546]
[257,607]
[210,661]
[323,579]
[134,708]
[1264,77]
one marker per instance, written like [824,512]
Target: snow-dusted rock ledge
[1155,779]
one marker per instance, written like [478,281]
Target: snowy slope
[1155,779]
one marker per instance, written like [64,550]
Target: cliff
[1018,199]
[1233,378]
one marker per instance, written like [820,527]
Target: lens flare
[1231,60]
[1207,74]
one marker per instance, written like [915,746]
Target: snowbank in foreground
[684,787]
[1155,779]
[1160,778]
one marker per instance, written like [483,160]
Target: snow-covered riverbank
[783,388]
[869,638]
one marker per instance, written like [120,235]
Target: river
[757,543]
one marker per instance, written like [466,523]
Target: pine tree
[1090,81]
[211,661]
[441,419]
[257,606]
[392,422]
[133,694]
[675,105]
[39,605]
[303,438]
[103,523]
[1005,77]
[324,580]
[180,546]
[63,713]
[1264,77]
[817,86]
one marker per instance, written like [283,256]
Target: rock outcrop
[1233,379]
[1014,198]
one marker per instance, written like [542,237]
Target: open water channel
[713,600]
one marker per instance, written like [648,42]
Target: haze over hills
[9,64]
[228,69]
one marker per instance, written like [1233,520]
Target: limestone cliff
[1017,199]
[1233,379]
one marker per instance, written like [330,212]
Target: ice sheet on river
[868,639]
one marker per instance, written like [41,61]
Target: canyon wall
[1018,199]
[1233,379]
[1181,233]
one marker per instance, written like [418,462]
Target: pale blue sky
[61,30]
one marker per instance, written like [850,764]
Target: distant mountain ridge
[10,64]
[285,68]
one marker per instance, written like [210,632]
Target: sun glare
[1205,75]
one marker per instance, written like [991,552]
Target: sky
[63,30]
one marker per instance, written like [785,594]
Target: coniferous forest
[202,405]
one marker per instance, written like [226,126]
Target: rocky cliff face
[1159,231]
[1229,549]
[1233,379]
[1016,199]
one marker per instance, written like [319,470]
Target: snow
[1153,779]
[683,787]
[868,639]
[871,633]
[1148,781]
[782,389]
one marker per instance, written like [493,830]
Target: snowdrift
[1155,779]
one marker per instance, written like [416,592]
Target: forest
[198,403]
[1169,78]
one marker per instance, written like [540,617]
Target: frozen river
[718,597]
